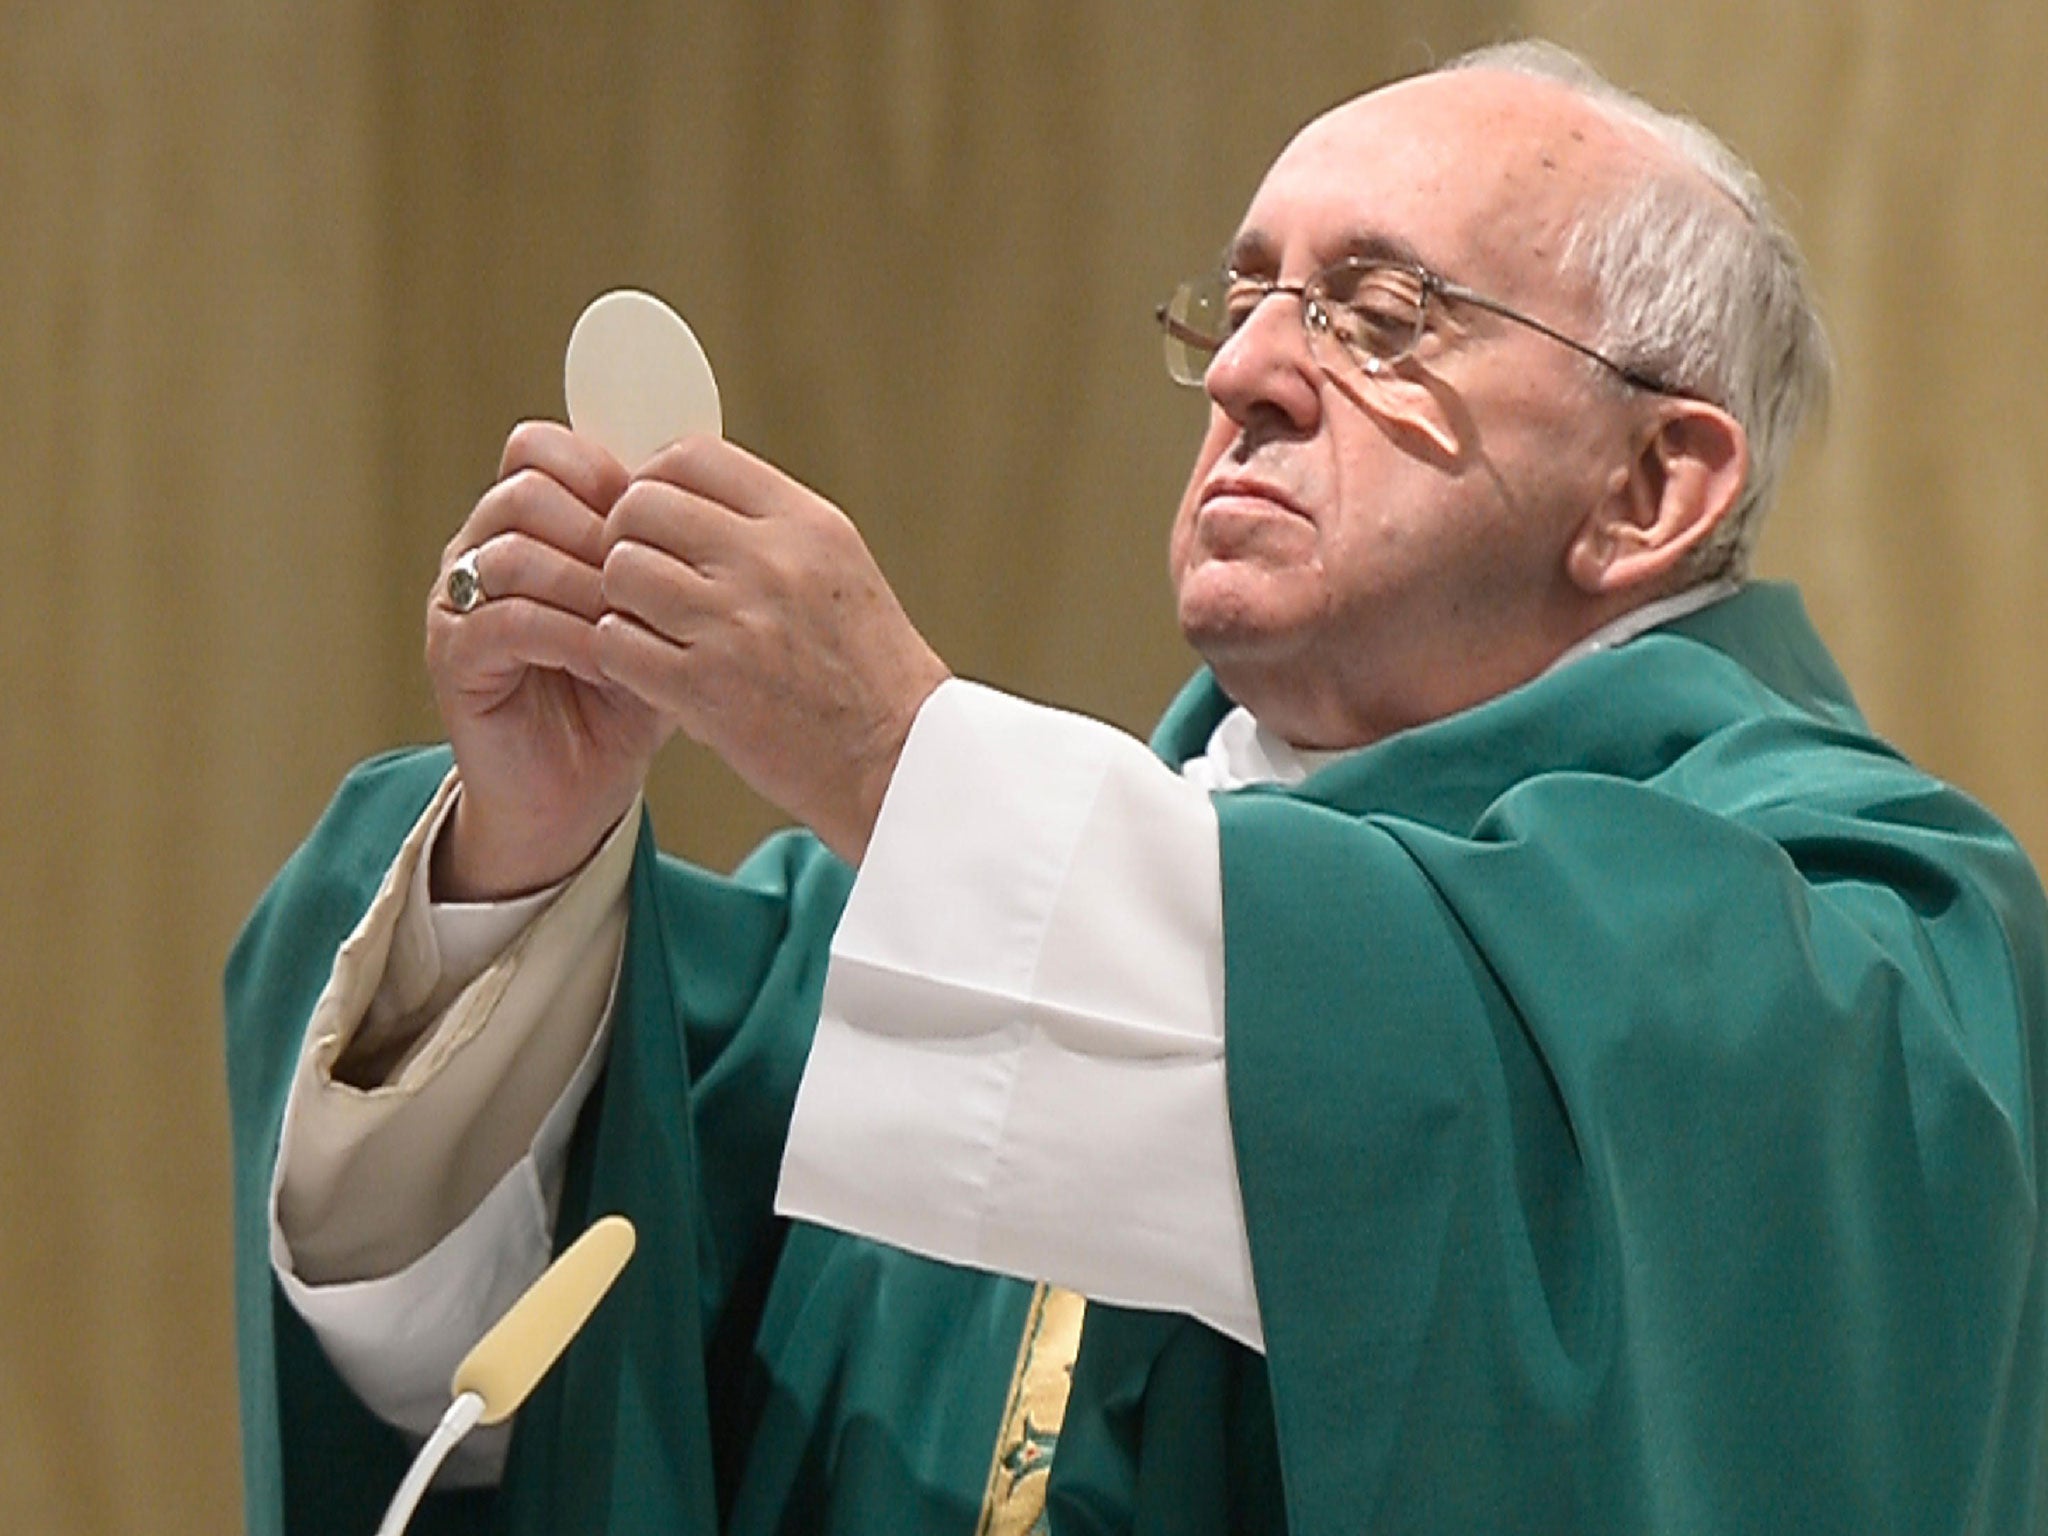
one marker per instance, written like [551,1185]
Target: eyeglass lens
[1376,311]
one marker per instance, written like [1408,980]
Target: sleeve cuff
[371,1175]
[1019,1062]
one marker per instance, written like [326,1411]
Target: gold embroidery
[1014,1504]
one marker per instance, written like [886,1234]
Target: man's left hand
[747,609]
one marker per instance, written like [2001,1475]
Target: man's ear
[1683,481]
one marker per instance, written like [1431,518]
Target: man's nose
[1269,365]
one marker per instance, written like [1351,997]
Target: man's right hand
[550,754]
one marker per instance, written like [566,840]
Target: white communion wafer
[636,378]
[518,1350]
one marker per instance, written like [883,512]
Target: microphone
[495,1377]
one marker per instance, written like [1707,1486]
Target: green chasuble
[1634,1083]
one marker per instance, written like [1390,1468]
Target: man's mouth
[1248,493]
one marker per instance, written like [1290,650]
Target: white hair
[1699,286]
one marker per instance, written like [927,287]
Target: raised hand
[551,750]
[747,610]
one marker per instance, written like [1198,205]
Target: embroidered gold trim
[1014,1504]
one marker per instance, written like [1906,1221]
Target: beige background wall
[276,278]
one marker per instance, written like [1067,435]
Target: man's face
[1357,554]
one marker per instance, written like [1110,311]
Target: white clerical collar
[1641,620]
[1241,751]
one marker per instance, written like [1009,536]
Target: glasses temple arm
[1183,334]
[1631,376]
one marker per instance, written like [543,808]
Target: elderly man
[1516,1053]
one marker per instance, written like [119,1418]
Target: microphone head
[506,1362]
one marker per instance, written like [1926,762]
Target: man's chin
[1239,649]
[1236,619]
[1232,605]
[1218,636]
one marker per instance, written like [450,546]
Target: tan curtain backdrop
[277,279]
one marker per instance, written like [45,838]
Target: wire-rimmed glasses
[1375,310]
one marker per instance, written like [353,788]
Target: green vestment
[1634,1082]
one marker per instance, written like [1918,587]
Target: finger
[693,529]
[531,502]
[666,594]
[515,564]
[580,466]
[481,652]
[725,473]
[552,484]
[650,666]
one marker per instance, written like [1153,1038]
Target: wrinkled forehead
[1478,174]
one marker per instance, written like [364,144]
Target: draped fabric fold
[280,277]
